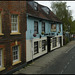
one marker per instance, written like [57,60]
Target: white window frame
[18,56]
[35,27]
[1,57]
[35,47]
[43,45]
[54,44]
[43,27]
[59,28]
[35,6]
[16,22]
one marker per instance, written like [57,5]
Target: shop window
[35,47]
[54,43]
[43,45]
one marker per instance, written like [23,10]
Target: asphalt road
[65,64]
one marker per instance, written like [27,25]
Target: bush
[66,40]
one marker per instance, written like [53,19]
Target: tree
[63,13]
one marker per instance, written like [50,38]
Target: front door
[60,41]
[48,44]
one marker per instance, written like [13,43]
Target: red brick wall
[7,8]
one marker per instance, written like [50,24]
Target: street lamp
[68,23]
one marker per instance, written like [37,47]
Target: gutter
[29,15]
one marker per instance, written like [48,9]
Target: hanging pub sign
[53,28]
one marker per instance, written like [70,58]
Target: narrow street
[70,66]
[59,61]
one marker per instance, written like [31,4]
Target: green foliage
[66,39]
[63,13]
[73,27]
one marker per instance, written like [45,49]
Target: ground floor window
[54,43]
[43,45]
[15,50]
[0,57]
[35,47]
[59,40]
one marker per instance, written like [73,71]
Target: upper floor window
[43,27]
[35,27]
[46,10]
[59,28]
[14,23]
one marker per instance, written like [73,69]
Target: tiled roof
[41,14]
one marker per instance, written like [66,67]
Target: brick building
[12,35]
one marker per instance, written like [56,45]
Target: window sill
[2,68]
[36,53]
[43,50]
[17,62]
[1,34]
[14,33]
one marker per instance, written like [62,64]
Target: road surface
[65,64]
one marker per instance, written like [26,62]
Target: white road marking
[65,67]
[69,49]
[72,57]
[62,71]
[70,60]
[68,63]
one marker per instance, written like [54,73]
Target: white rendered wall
[30,49]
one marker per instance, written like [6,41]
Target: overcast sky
[69,3]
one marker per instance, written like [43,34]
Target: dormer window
[46,10]
[35,6]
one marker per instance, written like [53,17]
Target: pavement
[41,63]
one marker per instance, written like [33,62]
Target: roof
[40,13]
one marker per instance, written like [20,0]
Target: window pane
[54,42]
[15,53]
[43,45]
[14,23]
[35,27]
[43,27]
[35,47]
